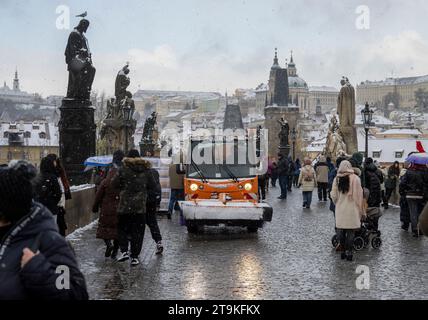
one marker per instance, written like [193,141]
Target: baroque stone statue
[78,57]
[346,104]
[122,83]
[149,127]
[283,133]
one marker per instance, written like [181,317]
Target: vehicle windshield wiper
[229,172]
[195,166]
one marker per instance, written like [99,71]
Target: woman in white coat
[347,195]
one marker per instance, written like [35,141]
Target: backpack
[308,175]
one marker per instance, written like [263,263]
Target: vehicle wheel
[252,229]
[334,241]
[358,243]
[376,242]
[192,228]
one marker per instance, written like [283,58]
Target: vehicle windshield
[219,161]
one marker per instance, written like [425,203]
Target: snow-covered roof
[396,81]
[404,131]
[262,87]
[390,148]
[36,130]
[323,89]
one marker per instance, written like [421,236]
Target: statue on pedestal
[78,57]
[346,112]
[115,130]
[148,140]
[283,133]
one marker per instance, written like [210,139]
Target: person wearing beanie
[107,199]
[31,248]
[133,180]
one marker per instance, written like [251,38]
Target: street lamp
[127,116]
[293,135]
[367,116]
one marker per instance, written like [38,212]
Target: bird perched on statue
[82,15]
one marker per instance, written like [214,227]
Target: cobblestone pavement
[290,258]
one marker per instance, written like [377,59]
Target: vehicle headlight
[193,187]
[248,186]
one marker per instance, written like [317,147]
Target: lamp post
[127,116]
[367,116]
[293,135]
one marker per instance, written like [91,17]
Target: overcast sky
[214,45]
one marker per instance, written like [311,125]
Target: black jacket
[47,191]
[373,185]
[283,167]
[154,194]
[134,180]
[414,183]
[38,278]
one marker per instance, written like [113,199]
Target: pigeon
[84,14]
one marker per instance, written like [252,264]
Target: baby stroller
[368,233]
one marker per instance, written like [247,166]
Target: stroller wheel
[376,242]
[358,243]
[334,241]
[366,242]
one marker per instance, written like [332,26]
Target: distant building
[30,141]
[323,97]
[165,102]
[298,88]
[382,93]
[15,94]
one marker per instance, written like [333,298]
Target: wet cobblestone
[290,258]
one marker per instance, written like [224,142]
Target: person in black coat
[35,260]
[46,186]
[153,201]
[414,187]
[375,193]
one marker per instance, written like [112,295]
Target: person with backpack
[308,182]
[322,170]
[134,179]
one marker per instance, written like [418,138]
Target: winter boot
[123,257]
[135,261]
[109,249]
[159,247]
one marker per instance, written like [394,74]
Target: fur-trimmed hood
[136,164]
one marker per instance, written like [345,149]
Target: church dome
[296,82]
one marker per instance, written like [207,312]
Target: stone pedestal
[114,133]
[147,147]
[349,135]
[285,151]
[77,135]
